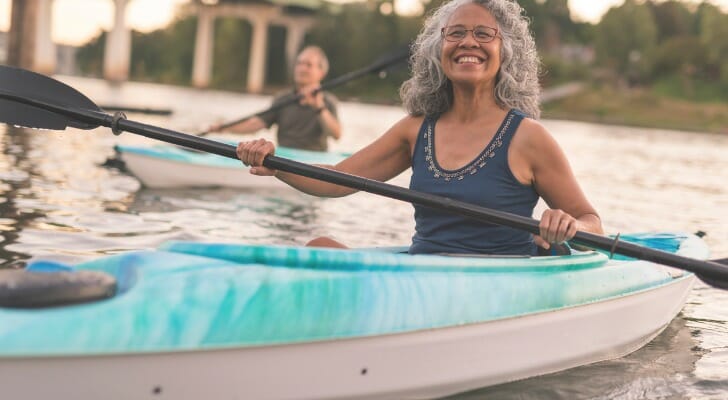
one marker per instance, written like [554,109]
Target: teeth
[468,59]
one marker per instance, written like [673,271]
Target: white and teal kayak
[225,321]
[164,166]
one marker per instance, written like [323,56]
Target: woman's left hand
[556,227]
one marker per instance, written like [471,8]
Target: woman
[471,135]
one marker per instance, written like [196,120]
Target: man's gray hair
[429,91]
[322,57]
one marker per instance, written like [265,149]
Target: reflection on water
[15,174]
[57,203]
[272,216]
[660,370]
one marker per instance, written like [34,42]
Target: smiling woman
[472,103]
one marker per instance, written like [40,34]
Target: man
[308,123]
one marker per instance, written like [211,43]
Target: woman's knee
[325,242]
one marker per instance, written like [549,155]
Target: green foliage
[625,39]
[680,55]
[556,71]
[230,53]
[713,25]
[673,19]
[680,86]
[90,58]
[164,55]
[357,36]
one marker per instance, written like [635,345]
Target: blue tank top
[486,181]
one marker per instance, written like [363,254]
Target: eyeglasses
[481,33]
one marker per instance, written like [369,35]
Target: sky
[71,24]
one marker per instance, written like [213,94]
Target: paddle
[36,101]
[138,110]
[381,64]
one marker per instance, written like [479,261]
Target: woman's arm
[381,160]
[537,158]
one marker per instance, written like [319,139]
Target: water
[57,203]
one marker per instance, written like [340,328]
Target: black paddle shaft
[56,115]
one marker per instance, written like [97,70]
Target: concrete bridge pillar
[44,57]
[117,54]
[295,32]
[256,63]
[260,17]
[202,63]
[29,41]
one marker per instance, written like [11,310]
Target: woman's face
[465,59]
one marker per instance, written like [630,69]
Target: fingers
[311,96]
[252,153]
[540,242]
[556,226]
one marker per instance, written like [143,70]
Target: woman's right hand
[253,152]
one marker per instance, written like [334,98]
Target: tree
[625,40]
[672,18]
[713,25]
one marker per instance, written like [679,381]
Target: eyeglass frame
[472,32]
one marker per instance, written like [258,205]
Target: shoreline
[572,101]
[639,108]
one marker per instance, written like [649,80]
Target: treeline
[675,48]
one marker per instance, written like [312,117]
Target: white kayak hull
[413,365]
[168,167]
[159,173]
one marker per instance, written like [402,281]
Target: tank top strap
[428,123]
[510,125]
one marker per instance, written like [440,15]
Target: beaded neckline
[474,166]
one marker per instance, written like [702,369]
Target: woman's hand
[252,153]
[556,227]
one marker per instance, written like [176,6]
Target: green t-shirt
[300,126]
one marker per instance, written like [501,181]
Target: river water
[58,203]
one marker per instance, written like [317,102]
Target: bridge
[30,45]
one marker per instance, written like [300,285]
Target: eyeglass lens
[482,34]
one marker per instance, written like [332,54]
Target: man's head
[311,66]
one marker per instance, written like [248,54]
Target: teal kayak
[210,320]
[164,166]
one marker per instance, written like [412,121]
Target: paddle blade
[26,84]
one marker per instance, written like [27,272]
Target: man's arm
[250,125]
[330,123]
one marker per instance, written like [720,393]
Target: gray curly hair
[429,92]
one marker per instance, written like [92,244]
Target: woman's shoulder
[532,135]
[407,127]
[407,123]
[531,128]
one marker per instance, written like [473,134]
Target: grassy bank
[639,108]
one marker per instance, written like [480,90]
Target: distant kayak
[204,320]
[164,166]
